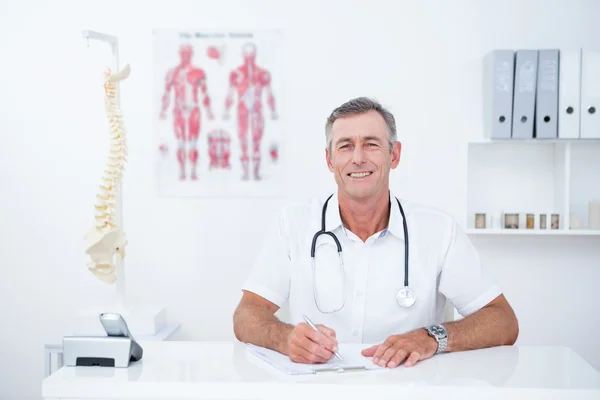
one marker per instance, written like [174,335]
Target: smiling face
[360,156]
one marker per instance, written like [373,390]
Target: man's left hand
[409,347]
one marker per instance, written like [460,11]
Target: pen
[308,321]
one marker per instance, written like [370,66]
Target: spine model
[105,240]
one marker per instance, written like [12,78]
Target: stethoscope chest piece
[406,297]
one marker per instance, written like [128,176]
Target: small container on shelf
[511,221]
[480,221]
[555,221]
[543,221]
[530,221]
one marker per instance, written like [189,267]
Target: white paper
[350,352]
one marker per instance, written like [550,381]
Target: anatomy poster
[217,107]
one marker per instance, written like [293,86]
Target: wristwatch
[438,332]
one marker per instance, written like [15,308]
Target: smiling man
[367,266]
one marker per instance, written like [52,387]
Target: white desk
[209,370]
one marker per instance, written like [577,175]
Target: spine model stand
[105,241]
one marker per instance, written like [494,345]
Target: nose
[358,156]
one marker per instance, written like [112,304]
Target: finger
[412,359]
[328,331]
[380,351]
[311,357]
[389,342]
[326,334]
[302,339]
[320,338]
[299,359]
[387,356]
[317,349]
[297,350]
[295,357]
[397,358]
[370,351]
[304,360]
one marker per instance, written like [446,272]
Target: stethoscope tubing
[339,246]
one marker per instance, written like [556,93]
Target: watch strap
[439,333]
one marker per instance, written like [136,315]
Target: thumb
[370,352]
[327,331]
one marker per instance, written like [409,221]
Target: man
[363,303]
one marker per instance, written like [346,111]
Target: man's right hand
[307,346]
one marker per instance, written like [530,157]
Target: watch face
[436,330]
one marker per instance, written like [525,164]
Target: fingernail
[335,348]
[375,360]
[391,364]
[382,363]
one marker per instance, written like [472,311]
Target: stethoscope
[405,297]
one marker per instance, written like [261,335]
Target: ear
[396,150]
[329,160]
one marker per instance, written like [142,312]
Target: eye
[343,146]
[372,144]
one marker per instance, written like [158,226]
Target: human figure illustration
[189,84]
[248,81]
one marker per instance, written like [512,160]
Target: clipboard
[353,361]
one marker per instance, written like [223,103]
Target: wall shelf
[487,140]
[533,176]
[535,232]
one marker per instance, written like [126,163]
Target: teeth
[360,174]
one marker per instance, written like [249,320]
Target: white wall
[422,59]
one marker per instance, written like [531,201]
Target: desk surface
[224,370]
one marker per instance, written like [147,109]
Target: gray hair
[361,105]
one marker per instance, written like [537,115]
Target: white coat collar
[333,218]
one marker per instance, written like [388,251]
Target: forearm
[490,326]
[257,325]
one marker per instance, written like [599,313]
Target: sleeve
[270,275]
[462,279]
